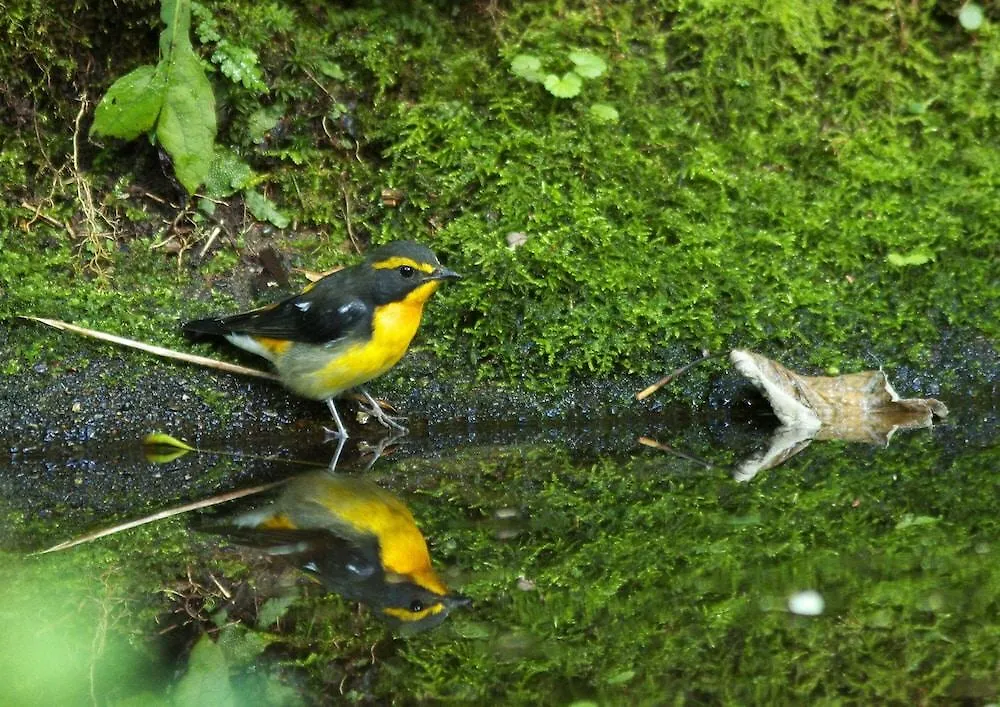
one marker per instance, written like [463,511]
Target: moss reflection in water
[611,579]
[650,579]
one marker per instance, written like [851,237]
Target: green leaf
[161,448]
[206,28]
[176,15]
[587,64]
[528,67]
[604,113]
[273,609]
[909,520]
[263,209]
[186,127]
[621,678]
[239,65]
[228,174]
[206,681]
[173,100]
[165,440]
[920,256]
[240,645]
[567,86]
[131,105]
[472,629]
[263,120]
[331,70]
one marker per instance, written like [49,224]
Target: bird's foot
[330,435]
[373,409]
[379,448]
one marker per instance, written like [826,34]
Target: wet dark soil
[73,426]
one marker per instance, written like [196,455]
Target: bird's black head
[410,608]
[404,270]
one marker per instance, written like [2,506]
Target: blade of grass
[160,515]
[155,350]
[648,442]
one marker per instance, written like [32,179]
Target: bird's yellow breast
[353,507]
[402,548]
[393,327]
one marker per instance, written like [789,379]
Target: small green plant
[586,65]
[229,173]
[237,63]
[172,102]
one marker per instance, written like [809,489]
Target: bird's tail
[211,326]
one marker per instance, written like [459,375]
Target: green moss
[756,182]
[653,582]
[747,192]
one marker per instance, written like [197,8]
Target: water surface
[600,570]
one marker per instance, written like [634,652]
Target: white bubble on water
[970,16]
[806,603]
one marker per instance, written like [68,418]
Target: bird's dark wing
[330,310]
[273,541]
[349,566]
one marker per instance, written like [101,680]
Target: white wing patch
[303,306]
[247,343]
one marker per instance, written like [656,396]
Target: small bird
[343,330]
[355,538]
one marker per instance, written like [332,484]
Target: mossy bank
[812,180]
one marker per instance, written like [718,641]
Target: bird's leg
[340,434]
[341,431]
[380,448]
[375,410]
[332,467]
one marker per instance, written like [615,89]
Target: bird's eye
[416,606]
[406,270]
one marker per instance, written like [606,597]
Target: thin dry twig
[39,214]
[208,243]
[646,392]
[95,237]
[649,442]
[160,515]
[225,592]
[156,350]
[320,86]
[347,218]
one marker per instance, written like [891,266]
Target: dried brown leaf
[856,407]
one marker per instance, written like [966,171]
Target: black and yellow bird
[355,538]
[343,330]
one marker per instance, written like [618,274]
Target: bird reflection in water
[356,539]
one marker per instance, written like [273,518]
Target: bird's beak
[454,601]
[443,273]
